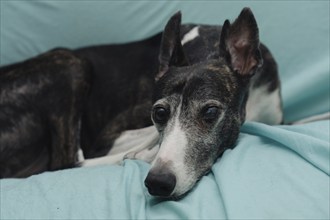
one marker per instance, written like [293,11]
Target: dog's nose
[160,183]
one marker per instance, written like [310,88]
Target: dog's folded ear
[239,43]
[171,50]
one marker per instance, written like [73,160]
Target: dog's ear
[239,43]
[171,50]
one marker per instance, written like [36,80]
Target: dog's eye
[210,113]
[160,115]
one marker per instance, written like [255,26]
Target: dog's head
[198,109]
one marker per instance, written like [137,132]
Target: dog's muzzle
[160,182]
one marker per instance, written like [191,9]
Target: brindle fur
[43,99]
[41,102]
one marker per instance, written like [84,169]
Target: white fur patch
[112,159]
[80,155]
[174,143]
[263,106]
[172,151]
[191,35]
[147,154]
[129,139]
[129,142]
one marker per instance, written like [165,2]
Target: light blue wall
[297,32]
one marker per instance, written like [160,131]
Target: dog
[200,83]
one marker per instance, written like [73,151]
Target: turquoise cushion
[275,172]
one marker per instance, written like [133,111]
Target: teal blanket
[275,172]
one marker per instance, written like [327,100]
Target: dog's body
[200,82]
[40,110]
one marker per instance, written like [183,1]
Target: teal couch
[275,172]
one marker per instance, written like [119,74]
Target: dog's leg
[65,109]
[64,146]
[132,118]
[147,154]
[65,131]
[134,144]
[147,148]
[132,138]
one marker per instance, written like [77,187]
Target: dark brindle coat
[199,93]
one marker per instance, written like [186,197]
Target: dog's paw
[130,155]
[146,155]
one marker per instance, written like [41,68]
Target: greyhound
[199,83]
